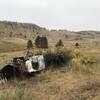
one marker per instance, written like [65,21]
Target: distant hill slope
[27,30]
[14,29]
[12,44]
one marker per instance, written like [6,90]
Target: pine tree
[41,42]
[59,43]
[29,44]
[38,41]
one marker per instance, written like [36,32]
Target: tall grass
[56,84]
[81,63]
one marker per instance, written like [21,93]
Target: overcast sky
[64,14]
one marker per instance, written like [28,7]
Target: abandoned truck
[27,66]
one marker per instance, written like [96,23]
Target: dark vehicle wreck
[28,66]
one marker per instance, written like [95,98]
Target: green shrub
[88,60]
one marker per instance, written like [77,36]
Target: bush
[77,45]
[80,63]
[88,60]
[58,58]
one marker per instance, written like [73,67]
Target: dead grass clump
[85,92]
[19,93]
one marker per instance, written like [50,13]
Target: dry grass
[54,85]
[12,44]
[78,82]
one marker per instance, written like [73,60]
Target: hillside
[78,80]
[12,44]
[14,36]
[14,29]
[28,30]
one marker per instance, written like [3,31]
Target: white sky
[63,14]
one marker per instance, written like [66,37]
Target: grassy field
[75,81]
[12,44]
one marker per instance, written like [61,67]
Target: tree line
[42,42]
